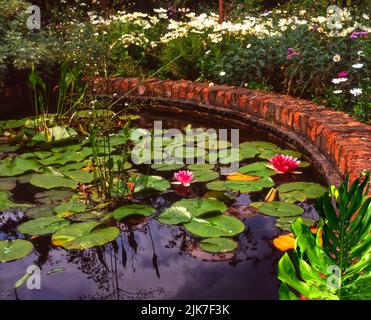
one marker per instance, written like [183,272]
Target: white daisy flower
[357,65]
[222,73]
[356,92]
[339,80]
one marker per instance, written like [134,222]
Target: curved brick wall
[341,139]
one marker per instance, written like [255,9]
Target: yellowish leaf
[271,196]
[242,177]
[287,241]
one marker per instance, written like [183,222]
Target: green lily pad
[248,152]
[72,207]
[11,250]
[284,223]
[70,147]
[13,124]
[42,226]
[36,155]
[84,235]
[5,203]
[72,167]
[133,209]
[167,167]
[295,191]
[249,186]
[16,165]
[278,208]
[260,145]
[205,175]
[63,158]
[212,227]
[5,148]
[143,182]
[225,156]
[53,196]
[201,166]
[304,164]
[50,181]
[81,176]
[200,206]
[216,186]
[175,215]
[44,210]
[218,245]
[257,169]
[60,133]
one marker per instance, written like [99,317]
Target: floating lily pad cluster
[203,217]
[286,209]
[58,162]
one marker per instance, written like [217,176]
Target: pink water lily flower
[183,177]
[282,163]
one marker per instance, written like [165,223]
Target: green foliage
[181,57]
[339,268]
[14,249]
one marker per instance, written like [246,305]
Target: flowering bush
[299,54]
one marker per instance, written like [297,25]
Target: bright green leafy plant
[334,264]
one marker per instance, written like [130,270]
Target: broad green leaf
[42,226]
[133,209]
[53,196]
[84,235]
[284,223]
[71,207]
[81,176]
[38,211]
[143,182]
[5,202]
[218,245]
[212,227]
[278,208]
[167,167]
[200,206]
[300,191]
[216,186]
[60,133]
[14,249]
[16,165]
[204,175]
[257,169]
[175,215]
[13,124]
[50,181]
[200,166]
[249,186]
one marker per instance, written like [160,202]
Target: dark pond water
[150,260]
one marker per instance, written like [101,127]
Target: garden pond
[100,227]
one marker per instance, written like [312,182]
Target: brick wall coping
[335,140]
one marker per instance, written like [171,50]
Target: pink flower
[343,74]
[183,177]
[282,163]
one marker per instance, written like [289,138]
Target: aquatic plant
[337,267]
[283,163]
[183,177]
